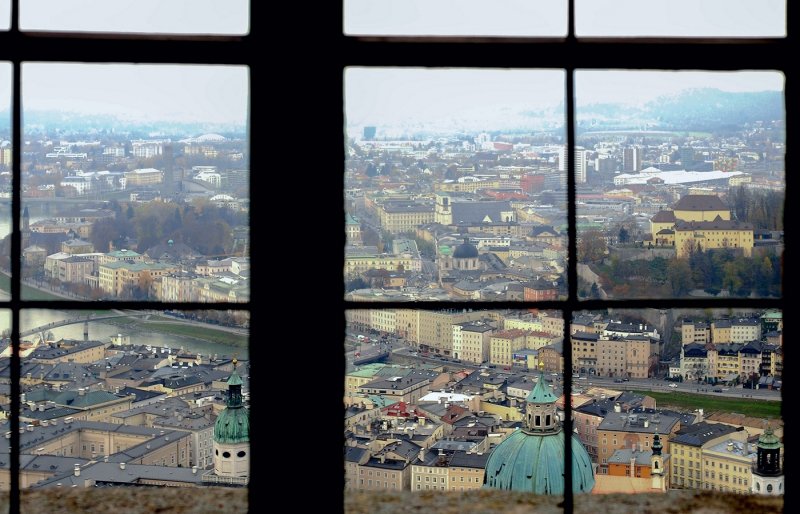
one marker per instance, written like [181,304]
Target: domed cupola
[531,459]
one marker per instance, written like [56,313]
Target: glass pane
[135,182]
[707,381]
[114,398]
[6,180]
[681,183]
[453,188]
[489,380]
[230,17]
[455,18]
[5,14]
[681,18]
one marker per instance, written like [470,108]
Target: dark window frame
[571,53]
[119,48]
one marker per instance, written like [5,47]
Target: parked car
[673,385]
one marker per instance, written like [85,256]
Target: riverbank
[30,292]
[181,328]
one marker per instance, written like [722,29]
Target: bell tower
[767,473]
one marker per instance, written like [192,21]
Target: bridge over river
[85,320]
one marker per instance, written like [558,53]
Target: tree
[679,277]
[591,246]
[623,236]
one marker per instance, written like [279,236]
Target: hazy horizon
[204,94]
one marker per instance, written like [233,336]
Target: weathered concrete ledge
[132,500]
[505,502]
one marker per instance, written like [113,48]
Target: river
[99,331]
[32,318]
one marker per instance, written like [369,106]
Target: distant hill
[704,109]
[83,123]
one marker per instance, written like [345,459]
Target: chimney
[646,423]
[617,407]
[77,470]
[81,391]
[422,454]
[121,465]
[194,470]
[105,459]
[421,420]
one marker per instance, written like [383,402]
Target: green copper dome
[541,393]
[233,423]
[769,440]
[532,458]
[535,463]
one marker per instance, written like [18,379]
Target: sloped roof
[700,203]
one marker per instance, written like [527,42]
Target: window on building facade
[64,154]
[384,156]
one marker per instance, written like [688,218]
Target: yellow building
[451,471]
[523,324]
[727,466]
[502,346]
[694,332]
[538,339]
[471,341]
[436,329]
[114,277]
[396,217]
[709,235]
[359,259]
[688,447]
[721,331]
[700,208]
[584,352]
[552,323]
[700,222]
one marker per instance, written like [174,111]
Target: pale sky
[456,17]
[202,93]
[386,96]
[138,16]
[379,95]
[5,14]
[710,18]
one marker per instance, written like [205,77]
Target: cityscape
[135,187]
[456,191]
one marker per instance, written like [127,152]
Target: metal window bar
[83,47]
[570,54]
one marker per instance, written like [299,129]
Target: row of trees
[712,271]
[201,225]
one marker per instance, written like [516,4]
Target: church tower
[657,465]
[767,474]
[531,459]
[232,435]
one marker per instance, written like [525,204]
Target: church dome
[465,251]
[233,423]
[532,458]
[535,463]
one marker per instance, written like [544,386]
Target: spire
[657,446]
[541,393]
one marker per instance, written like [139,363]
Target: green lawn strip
[183,329]
[709,404]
